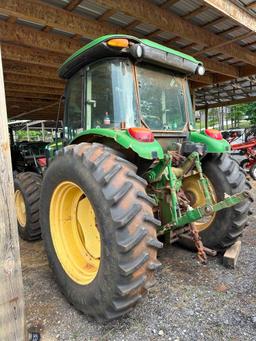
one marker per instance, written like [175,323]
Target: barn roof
[37,36]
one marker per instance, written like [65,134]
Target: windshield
[162,98]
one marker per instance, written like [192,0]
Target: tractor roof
[98,49]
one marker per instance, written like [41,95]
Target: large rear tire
[27,187]
[94,177]
[227,225]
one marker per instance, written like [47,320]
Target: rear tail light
[141,134]
[42,161]
[214,133]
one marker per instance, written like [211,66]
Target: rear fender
[120,139]
[212,145]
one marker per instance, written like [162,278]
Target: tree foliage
[251,112]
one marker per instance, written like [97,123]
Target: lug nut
[208,210]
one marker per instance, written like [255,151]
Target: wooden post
[206,118]
[43,132]
[27,132]
[11,286]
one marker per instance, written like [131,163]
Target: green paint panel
[197,213]
[142,41]
[146,150]
[51,148]
[212,145]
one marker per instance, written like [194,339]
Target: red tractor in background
[243,142]
[249,150]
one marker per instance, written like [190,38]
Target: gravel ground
[189,302]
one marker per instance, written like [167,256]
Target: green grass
[242,124]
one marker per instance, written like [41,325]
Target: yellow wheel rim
[20,208]
[74,233]
[194,191]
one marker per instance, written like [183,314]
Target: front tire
[124,221]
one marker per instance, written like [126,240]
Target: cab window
[110,99]
[73,106]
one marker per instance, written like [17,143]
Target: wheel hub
[195,194]
[74,232]
[20,208]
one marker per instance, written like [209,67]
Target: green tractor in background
[133,168]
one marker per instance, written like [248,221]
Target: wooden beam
[24,95]
[41,115]
[206,79]
[223,89]
[226,59]
[189,46]
[33,81]
[32,70]
[252,5]
[32,56]
[44,14]
[229,30]
[217,67]
[69,7]
[35,108]
[233,12]
[152,34]
[27,101]
[250,44]
[226,103]
[195,12]
[172,23]
[72,5]
[169,41]
[12,320]
[16,109]
[168,3]
[108,13]
[26,36]
[23,105]
[247,70]
[132,24]
[214,22]
[39,12]
[33,89]
[225,43]
[12,19]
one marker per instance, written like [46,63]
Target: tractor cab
[119,82]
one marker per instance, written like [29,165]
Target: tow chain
[198,243]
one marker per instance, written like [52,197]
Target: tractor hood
[141,50]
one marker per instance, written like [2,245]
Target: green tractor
[132,168]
